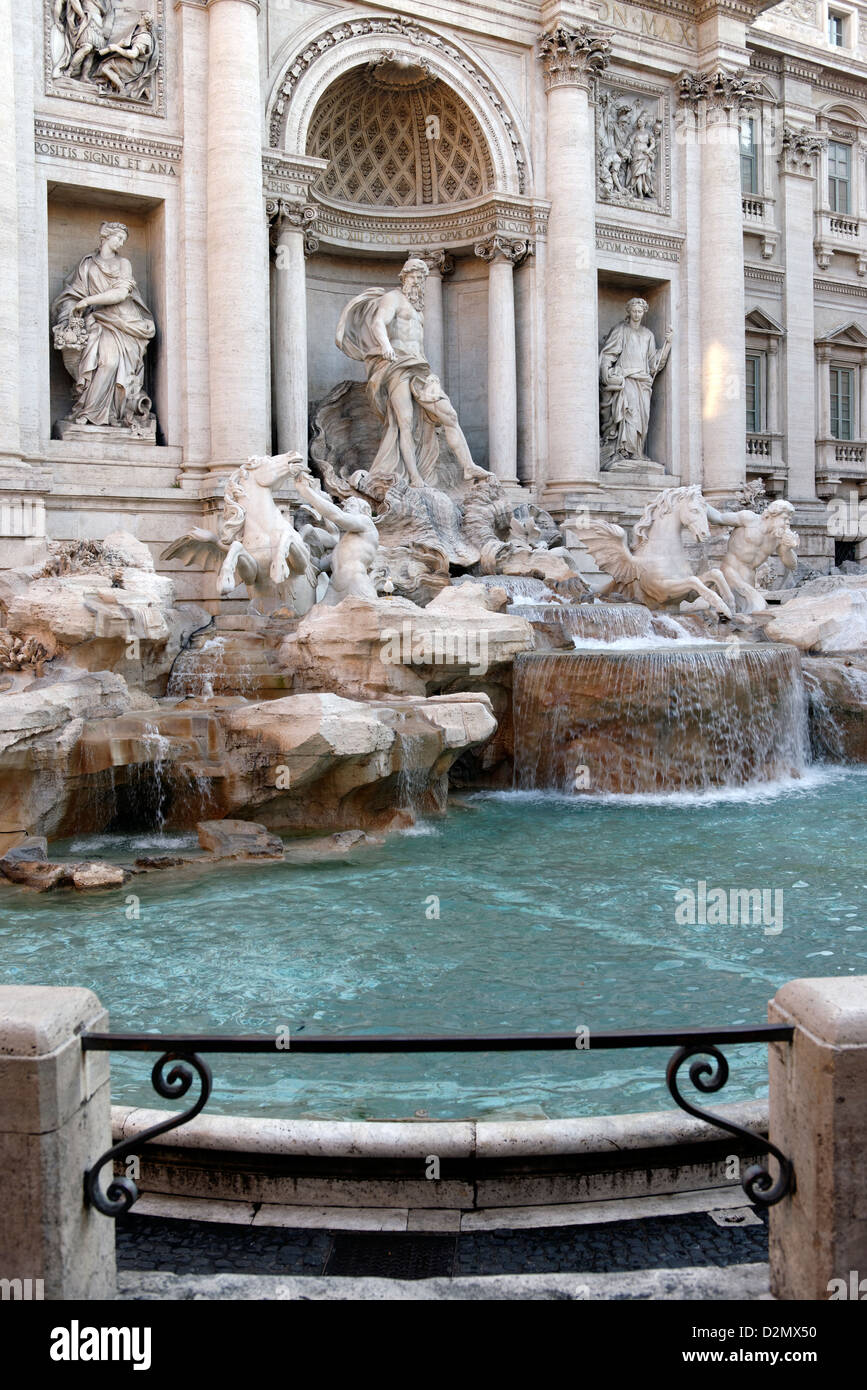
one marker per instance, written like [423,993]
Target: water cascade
[659,718]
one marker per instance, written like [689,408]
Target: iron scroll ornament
[706,1077]
[122,1191]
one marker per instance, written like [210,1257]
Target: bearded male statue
[384,329]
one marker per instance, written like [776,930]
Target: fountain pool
[555,912]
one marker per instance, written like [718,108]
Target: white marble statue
[628,366]
[754,539]
[103,328]
[627,150]
[126,68]
[658,571]
[84,26]
[354,555]
[257,544]
[384,329]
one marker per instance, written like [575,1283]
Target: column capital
[798,147]
[573,57]
[286,216]
[439,262]
[209,4]
[502,248]
[717,89]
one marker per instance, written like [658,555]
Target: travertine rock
[837,691]
[87,876]
[239,839]
[321,761]
[367,649]
[125,621]
[834,621]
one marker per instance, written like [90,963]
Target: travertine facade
[549,162]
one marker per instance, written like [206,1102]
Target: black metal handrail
[708,1073]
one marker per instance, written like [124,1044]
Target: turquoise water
[554,913]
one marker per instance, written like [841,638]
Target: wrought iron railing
[181,1055]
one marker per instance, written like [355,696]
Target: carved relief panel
[633,163]
[106,51]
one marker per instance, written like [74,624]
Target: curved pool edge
[481,1164]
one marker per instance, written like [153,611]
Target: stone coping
[495,1139]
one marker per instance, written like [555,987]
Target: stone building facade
[549,161]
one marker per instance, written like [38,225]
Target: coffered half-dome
[397,136]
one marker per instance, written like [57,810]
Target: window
[842,396]
[755,403]
[839,167]
[836,29]
[749,156]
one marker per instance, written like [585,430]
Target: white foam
[812,780]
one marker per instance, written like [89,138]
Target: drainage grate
[390,1256]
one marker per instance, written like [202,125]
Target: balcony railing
[839,231]
[764,454]
[841,458]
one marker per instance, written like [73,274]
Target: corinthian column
[10,328]
[237,239]
[572,60]
[292,240]
[713,101]
[439,263]
[502,254]
[798,151]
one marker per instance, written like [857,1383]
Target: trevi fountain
[430,761]
[432,533]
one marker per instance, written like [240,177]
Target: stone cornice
[449,228]
[573,58]
[623,240]
[290,176]
[87,144]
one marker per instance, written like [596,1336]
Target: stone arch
[328,51]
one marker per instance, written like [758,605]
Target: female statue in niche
[103,327]
[628,365]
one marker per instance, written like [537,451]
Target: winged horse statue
[658,570]
[256,544]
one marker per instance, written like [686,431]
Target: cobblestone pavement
[664,1242]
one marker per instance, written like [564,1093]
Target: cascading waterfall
[659,719]
[602,622]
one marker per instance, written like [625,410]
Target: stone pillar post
[715,99]
[862,399]
[56,1121]
[773,424]
[10,347]
[572,60]
[292,241]
[797,158]
[818,1119]
[502,254]
[823,359]
[439,264]
[192,48]
[237,241]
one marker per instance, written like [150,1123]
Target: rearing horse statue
[257,544]
[658,570]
